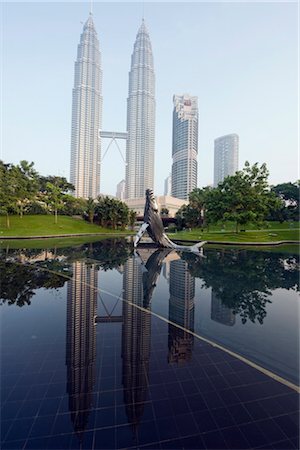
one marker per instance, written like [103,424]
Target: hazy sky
[240,59]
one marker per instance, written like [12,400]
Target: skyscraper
[120,194]
[184,145]
[226,159]
[86,115]
[140,118]
[168,185]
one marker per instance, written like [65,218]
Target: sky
[239,58]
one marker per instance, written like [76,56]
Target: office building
[120,194]
[184,145]
[226,157]
[86,115]
[140,118]
[168,186]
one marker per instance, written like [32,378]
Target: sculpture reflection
[139,281]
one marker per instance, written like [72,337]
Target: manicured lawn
[274,232]
[44,226]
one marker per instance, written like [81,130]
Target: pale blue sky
[240,59]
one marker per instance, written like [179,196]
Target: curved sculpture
[154,227]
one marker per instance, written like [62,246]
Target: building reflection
[181,312]
[136,341]
[220,312]
[81,342]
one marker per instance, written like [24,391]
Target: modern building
[140,118]
[121,190]
[168,185]
[172,204]
[184,145]
[226,158]
[86,115]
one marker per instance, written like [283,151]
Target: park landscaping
[271,232]
[44,225]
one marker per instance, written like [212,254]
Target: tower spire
[91,7]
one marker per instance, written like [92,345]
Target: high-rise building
[226,160]
[86,115]
[184,145]
[120,194]
[140,118]
[168,186]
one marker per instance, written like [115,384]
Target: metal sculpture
[155,229]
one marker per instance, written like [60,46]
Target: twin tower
[87,116]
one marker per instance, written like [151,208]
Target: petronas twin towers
[87,116]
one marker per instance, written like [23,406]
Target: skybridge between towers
[114,136]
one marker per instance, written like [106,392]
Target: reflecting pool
[105,348]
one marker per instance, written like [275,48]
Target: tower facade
[87,115]
[184,145]
[226,157]
[140,118]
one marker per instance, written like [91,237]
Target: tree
[164,212]
[243,197]
[288,193]
[90,209]
[132,218]
[26,185]
[197,201]
[111,212]
[243,280]
[7,198]
[54,190]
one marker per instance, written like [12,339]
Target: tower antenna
[143,11]
[91,7]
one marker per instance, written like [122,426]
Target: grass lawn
[40,225]
[275,232]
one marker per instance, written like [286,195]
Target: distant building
[168,186]
[121,190]
[226,157]
[172,204]
[184,145]
[140,118]
[86,115]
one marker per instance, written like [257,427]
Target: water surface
[102,348]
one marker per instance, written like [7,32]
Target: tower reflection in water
[139,280]
[136,341]
[220,312]
[181,312]
[81,342]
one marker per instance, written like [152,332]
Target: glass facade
[184,145]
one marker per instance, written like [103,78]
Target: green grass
[275,232]
[40,225]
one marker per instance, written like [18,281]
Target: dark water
[102,348]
